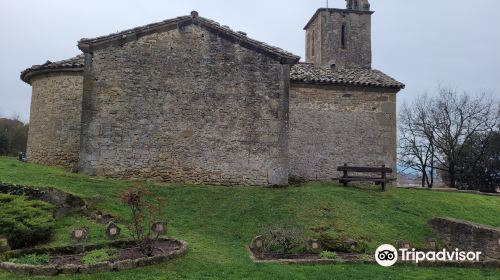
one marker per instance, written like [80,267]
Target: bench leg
[345,175]
[384,176]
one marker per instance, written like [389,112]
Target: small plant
[283,240]
[366,258]
[342,244]
[99,256]
[146,214]
[32,259]
[328,255]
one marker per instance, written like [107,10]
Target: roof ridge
[245,37]
[132,30]
[87,45]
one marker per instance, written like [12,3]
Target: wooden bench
[382,180]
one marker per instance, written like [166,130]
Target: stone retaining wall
[468,236]
[448,190]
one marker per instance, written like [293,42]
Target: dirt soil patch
[131,253]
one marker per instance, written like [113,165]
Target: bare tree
[456,118]
[435,132]
[416,149]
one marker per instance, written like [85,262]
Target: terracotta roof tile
[317,74]
[72,64]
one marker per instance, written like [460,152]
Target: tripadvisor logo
[387,255]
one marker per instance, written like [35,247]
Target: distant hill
[415,180]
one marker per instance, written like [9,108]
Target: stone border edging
[448,190]
[481,264]
[307,261]
[52,270]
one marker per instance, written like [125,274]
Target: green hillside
[218,222]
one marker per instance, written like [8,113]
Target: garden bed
[343,258]
[68,260]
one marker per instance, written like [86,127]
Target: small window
[356,5]
[343,36]
[313,43]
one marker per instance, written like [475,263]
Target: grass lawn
[218,222]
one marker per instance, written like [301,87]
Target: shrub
[283,240]
[146,210]
[328,255]
[32,259]
[99,256]
[25,222]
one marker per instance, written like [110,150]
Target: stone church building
[190,100]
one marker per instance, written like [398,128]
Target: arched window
[343,36]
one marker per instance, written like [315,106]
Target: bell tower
[340,37]
[358,5]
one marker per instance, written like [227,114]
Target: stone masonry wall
[313,42]
[55,118]
[331,125]
[327,29]
[188,106]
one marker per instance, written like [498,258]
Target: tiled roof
[317,74]
[73,64]
[241,38]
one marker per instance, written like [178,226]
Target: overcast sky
[419,42]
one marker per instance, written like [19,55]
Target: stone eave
[118,39]
[331,10]
[354,85]
[28,75]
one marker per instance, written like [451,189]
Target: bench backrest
[363,169]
